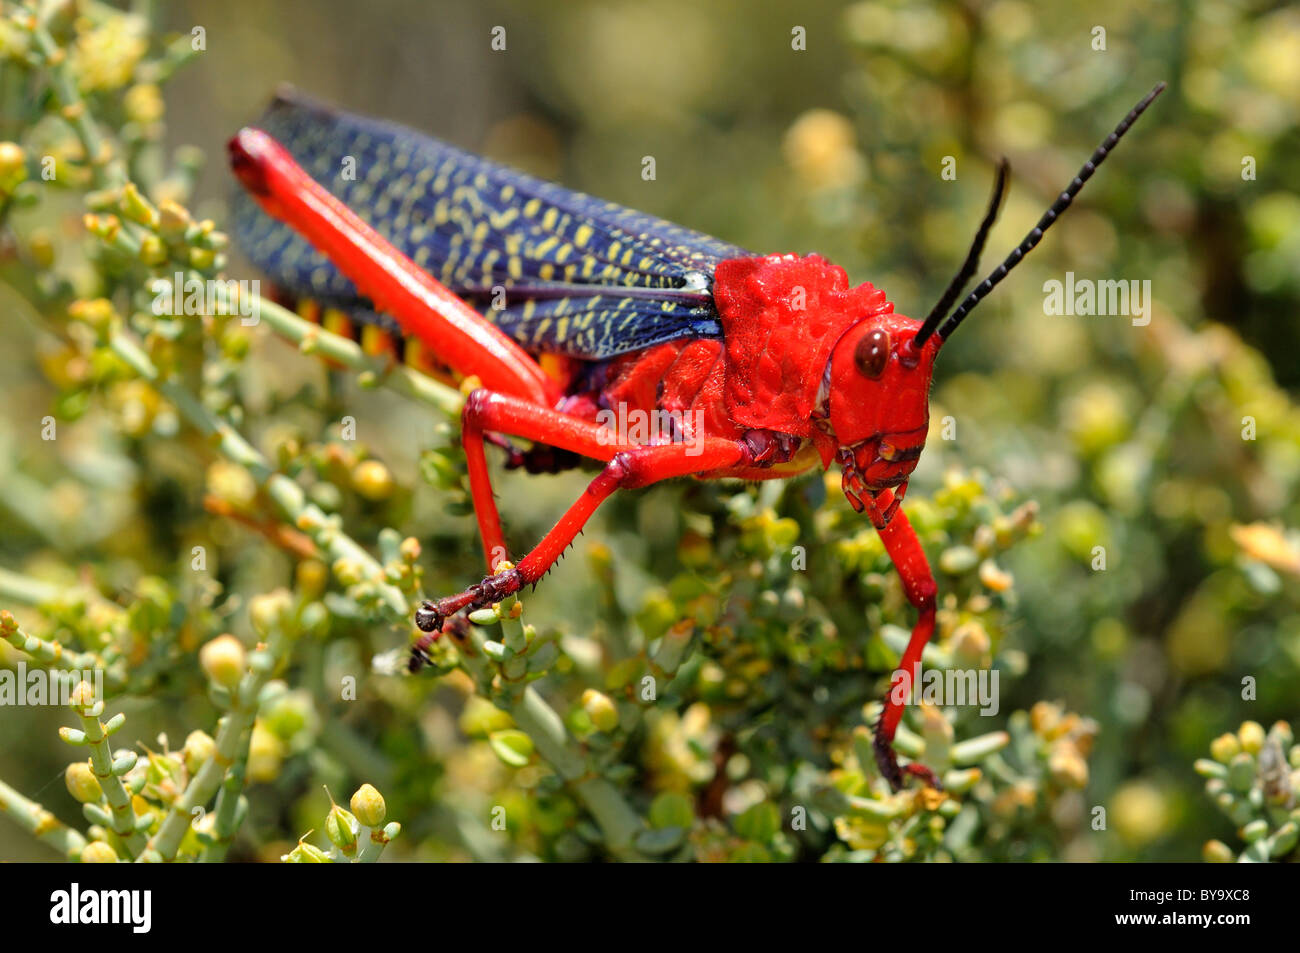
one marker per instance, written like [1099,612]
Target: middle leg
[627,468]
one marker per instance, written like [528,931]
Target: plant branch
[54,656]
[40,823]
[231,740]
[533,716]
[94,734]
[284,491]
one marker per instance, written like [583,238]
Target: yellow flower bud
[368,806]
[1067,767]
[82,783]
[268,609]
[13,167]
[199,747]
[152,251]
[1217,852]
[1225,747]
[202,258]
[994,577]
[600,709]
[970,645]
[348,571]
[173,219]
[265,754]
[98,852]
[1140,812]
[136,207]
[1044,717]
[1252,736]
[232,483]
[83,697]
[143,103]
[372,480]
[97,312]
[224,660]
[312,577]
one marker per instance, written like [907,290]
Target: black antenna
[1060,205]
[972,261]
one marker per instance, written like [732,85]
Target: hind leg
[487,412]
[452,331]
[627,468]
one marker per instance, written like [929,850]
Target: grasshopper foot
[428,618]
[895,774]
[427,615]
[432,618]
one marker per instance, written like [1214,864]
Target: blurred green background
[1128,437]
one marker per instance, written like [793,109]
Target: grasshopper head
[879,391]
[879,374]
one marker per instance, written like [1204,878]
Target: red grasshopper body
[786,369]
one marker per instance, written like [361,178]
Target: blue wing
[567,273]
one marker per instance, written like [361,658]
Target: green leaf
[485,616]
[512,746]
[661,840]
[671,809]
[759,823]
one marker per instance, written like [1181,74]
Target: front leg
[918,584]
[635,467]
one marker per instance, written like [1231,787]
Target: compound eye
[872,353]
